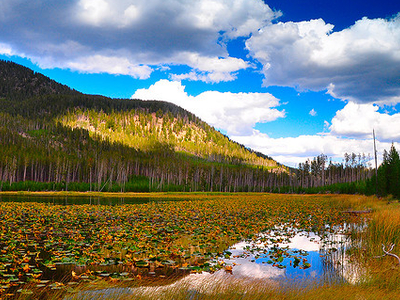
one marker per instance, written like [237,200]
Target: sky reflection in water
[319,259]
[326,256]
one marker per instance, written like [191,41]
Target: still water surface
[281,255]
[326,262]
[81,200]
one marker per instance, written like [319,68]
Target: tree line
[321,172]
[67,157]
[55,138]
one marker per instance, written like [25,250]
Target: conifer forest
[55,138]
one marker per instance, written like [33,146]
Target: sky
[291,79]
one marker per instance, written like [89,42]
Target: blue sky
[291,79]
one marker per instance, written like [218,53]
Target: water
[280,256]
[321,259]
[292,255]
[80,200]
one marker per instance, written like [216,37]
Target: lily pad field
[198,246]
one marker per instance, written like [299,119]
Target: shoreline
[123,194]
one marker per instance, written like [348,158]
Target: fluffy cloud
[358,121]
[100,13]
[360,63]
[235,113]
[238,113]
[209,69]
[350,130]
[83,34]
[111,65]
[293,150]
[236,18]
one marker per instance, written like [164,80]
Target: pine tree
[393,173]
[382,175]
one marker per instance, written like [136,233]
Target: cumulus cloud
[360,63]
[100,13]
[235,113]
[111,65]
[83,34]
[209,69]
[293,150]
[358,121]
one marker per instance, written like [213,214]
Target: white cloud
[208,77]
[358,121]
[294,150]
[94,11]
[360,63]
[137,32]
[349,131]
[235,113]
[312,113]
[237,18]
[209,69]
[100,13]
[5,49]
[209,64]
[165,90]
[111,65]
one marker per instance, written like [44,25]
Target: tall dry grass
[383,231]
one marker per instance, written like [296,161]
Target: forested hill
[17,82]
[52,134]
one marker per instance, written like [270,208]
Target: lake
[54,243]
[307,260]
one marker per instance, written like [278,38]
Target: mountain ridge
[36,110]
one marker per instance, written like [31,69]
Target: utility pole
[376,165]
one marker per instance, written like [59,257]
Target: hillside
[52,134]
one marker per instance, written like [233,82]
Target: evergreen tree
[393,173]
[388,175]
[382,188]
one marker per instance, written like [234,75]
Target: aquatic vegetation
[46,246]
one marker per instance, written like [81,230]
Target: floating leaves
[50,245]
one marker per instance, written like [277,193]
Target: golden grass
[233,288]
